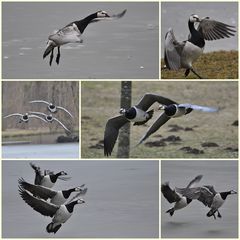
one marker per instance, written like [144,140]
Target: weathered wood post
[124,134]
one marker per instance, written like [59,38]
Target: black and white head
[102,14]
[49,117]
[62,173]
[194,18]
[232,192]
[80,201]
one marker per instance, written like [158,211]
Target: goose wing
[169,194]
[64,109]
[194,181]
[13,114]
[199,108]
[37,190]
[149,99]
[207,195]
[38,172]
[163,118]
[39,205]
[39,113]
[39,101]
[213,30]
[35,116]
[61,124]
[111,132]
[172,51]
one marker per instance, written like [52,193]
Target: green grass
[214,65]
[101,100]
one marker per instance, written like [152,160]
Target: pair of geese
[177,54]
[139,114]
[59,208]
[182,197]
[48,118]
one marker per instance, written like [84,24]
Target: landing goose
[182,54]
[24,117]
[52,107]
[73,31]
[173,111]
[208,196]
[48,178]
[59,214]
[172,196]
[137,114]
[56,197]
[50,118]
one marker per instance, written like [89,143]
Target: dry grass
[214,65]
[101,100]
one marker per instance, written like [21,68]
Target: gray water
[122,200]
[68,150]
[123,48]
[192,222]
[175,15]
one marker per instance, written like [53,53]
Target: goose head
[232,192]
[102,14]
[194,18]
[62,173]
[80,201]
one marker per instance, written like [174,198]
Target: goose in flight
[56,197]
[173,111]
[48,178]
[208,196]
[52,107]
[59,214]
[24,117]
[50,118]
[180,200]
[182,54]
[137,114]
[73,31]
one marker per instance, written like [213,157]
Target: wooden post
[124,134]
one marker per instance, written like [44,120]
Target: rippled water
[124,48]
[122,200]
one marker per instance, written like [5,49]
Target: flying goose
[173,111]
[73,31]
[52,107]
[24,117]
[182,54]
[48,178]
[208,196]
[56,197]
[50,118]
[59,214]
[137,114]
[172,196]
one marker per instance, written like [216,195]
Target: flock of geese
[182,197]
[48,202]
[139,115]
[47,118]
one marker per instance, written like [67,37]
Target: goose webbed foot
[58,56]
[51,58]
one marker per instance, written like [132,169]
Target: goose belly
[181,204]
[46,182]
[58,199]
[190,54]
[140,115]
[62,215]
[217,202]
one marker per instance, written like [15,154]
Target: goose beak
[233,192]
[49,48]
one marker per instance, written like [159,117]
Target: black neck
[188,200]
[225,194]
[70,206]
[82,24]
[54,177]
[196,36]
[66,193]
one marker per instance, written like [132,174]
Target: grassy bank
[214,65]
[198,135]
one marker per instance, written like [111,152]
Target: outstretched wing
[111,132]
[213,30]
[62,124]
[35,116]
[194,181]
[169,194]
[64,109]
[13,114]
[163,118]
[41,206]
[39,101]
[149,99]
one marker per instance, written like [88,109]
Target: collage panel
[171,119]
[118,199]
[199,40]
[80,40]
[40,119]
[199,199]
